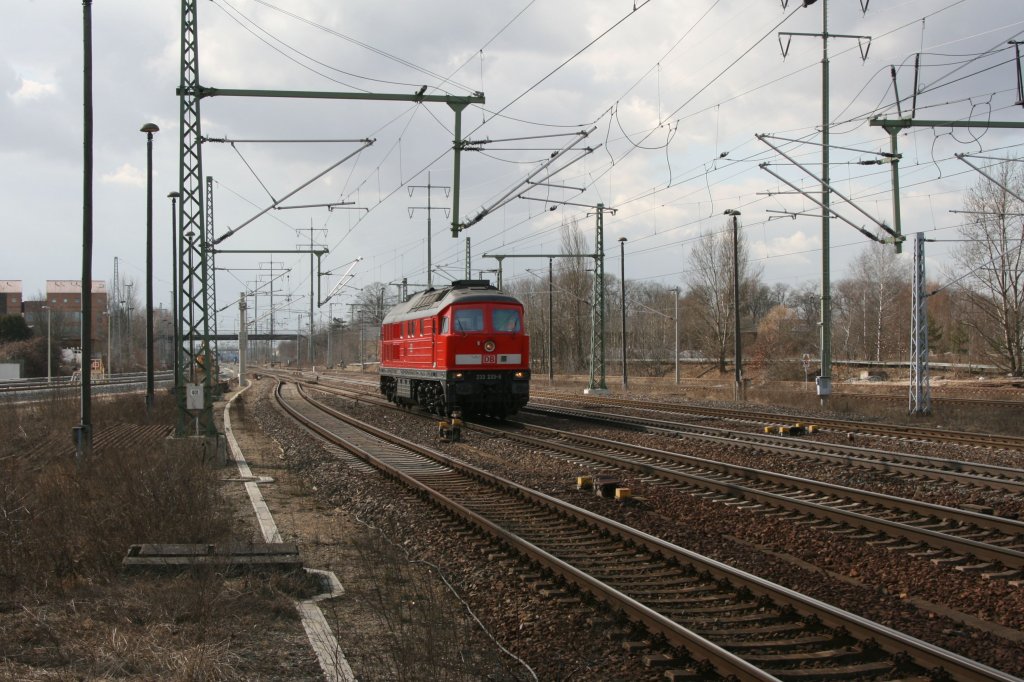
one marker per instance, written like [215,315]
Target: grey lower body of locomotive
[473,393]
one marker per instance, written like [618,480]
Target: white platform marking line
[325,645]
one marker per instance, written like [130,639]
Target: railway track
[963,539]
[965,394]
[56,383]
[980,475]
[946,535]
[751,416]
[959,472]
[115,436]
[967,540]
[1013,399]
[732,622]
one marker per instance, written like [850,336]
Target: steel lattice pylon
[192,290]
[920,391]
[196,292]
[597,372]
[211,287]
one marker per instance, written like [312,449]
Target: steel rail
[957,471]
[722,660]
[889,430]
[896,643]
[986,475]
[1009,557]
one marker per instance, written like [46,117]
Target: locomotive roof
[431,301]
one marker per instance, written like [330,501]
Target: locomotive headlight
[519,375]
[489,346]
[458,375]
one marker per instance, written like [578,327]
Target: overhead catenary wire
[654,191]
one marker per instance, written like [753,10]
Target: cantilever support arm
[897,237]
[277,202]
[456,102]
[1009,191]
[345,279]
[764,167]
[517,189]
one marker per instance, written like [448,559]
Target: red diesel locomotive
[458,348]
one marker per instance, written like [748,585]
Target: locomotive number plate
[488,377]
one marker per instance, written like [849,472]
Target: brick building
[11,297]
[64,300]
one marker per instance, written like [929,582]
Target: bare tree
[651,310]
[991,265]
[574,290]
[764,298]
[780,336]
[710,287]
[373,302]
[533,293]
[870,308]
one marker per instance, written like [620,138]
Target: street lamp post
[189,237]
[622,274]
[149,129]
[82,434]
[107,314]
[736,301]
[129,318]
[362,364]
[551,313]
[49,347]
[675,324]
[128,324]
[173,196]
[330,330]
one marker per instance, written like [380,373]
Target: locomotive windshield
[469,320]
[505,320]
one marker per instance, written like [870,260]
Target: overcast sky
[675,93]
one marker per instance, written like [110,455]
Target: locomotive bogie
[492,394]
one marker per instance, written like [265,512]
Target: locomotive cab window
[505,320]
[469,320]
[444,324]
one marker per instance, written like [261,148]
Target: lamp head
[149,128]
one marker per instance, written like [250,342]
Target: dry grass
[796,395]
[66,609]
[63,521]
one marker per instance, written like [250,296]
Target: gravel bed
[982,455]
[976,618]
[557,641]
[1002,503]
